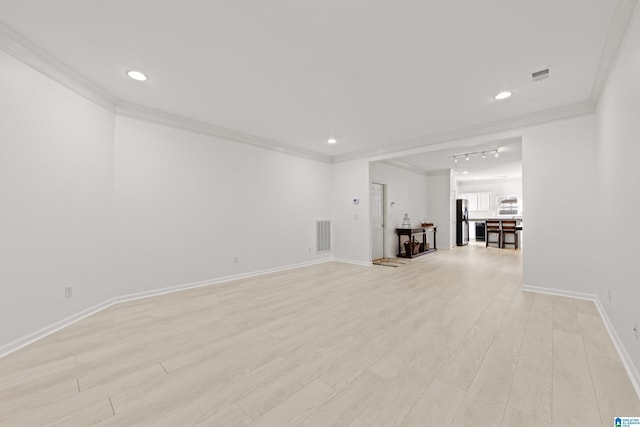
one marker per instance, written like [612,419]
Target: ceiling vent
[540,75]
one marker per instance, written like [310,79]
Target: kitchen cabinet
[478,201]
[484,201]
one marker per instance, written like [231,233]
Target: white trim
[48,330]
[634,375]
[408,167]
[55,327]
[440,172]
[353,262]
[613,45]
[560,293]
[141,112]
[535,118]
[26,51]
[632,372]
[22,49]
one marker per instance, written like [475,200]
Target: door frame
[384,218]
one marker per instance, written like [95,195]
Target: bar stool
[509,229]
[493,229]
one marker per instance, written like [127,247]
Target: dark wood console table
[423,246]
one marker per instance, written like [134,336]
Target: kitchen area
[490,213]
[427,187]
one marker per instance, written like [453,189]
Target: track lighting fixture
[467,156]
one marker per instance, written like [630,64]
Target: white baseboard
[634,375]
[354,262]
[561,293]
[48,330]
[631,369]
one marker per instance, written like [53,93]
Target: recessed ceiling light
[465,172]
[332,141]
[137,75]
[502,95]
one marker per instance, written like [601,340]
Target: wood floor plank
[531,391]
[571,371]
[437,406]
[465,362]
[574,410]
[513,417]
[447,339]
[298,407]
[614,392]
[267,397]
[346,406]
[486,399]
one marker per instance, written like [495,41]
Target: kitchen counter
[505,218]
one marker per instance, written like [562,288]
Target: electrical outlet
[235,259]
[68,291]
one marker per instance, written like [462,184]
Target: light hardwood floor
[448,339]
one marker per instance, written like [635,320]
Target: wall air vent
[323,236]
[540,75]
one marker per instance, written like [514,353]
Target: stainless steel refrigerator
[462,222]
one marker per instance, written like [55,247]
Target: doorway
[377,200]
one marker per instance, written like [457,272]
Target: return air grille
[323,236]
[540,75]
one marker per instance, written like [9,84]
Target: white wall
[559,184]
[349,222]
[618,154]
[188,204]
[117,206]
[56,201]
[409,192]
[439,208]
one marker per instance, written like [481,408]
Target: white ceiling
[375,74]
[507,166]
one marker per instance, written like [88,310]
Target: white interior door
[377,221]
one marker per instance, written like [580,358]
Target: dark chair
[494,236]
[509,229]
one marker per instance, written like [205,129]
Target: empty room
[336,213]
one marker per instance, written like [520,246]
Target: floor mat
[391,262]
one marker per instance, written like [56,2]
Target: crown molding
[440,172]
[406,167]
[141,112]
[27,52]
[21,48]
[615,38]
[538,117]
[24,50]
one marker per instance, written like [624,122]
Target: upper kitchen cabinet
[478,201]
[484,201]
